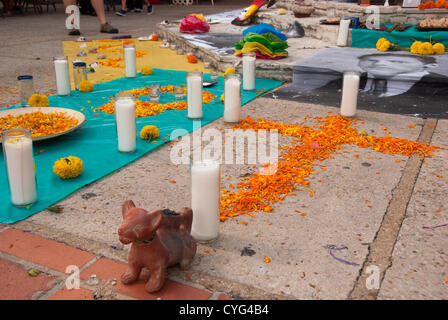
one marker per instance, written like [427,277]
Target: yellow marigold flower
[281,11]
[380,42]
[149,132]
[147,71]
[415,48]
[438,48]
[68,168]
[426,48]
[222,97]
[385,45]
[229,70]
[85,86]
[37,100]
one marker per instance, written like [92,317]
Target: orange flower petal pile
[259,192]
[145,108]
[39,123]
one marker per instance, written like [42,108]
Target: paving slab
[300,265]
[420,258]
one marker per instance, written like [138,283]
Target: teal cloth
[364,38]
[95,141]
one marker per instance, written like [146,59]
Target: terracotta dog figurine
[159,239]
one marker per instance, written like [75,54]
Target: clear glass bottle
[26,88]
[20,168]
[79,73]
[125,122]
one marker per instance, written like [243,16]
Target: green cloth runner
[95,141]
[365,38]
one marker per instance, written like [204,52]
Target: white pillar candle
[125,122]
[62,76]
[232,98]
[343,33]
[249,71]
[205,188]
[194,94]
[350,93]
[129,61]
[18,151]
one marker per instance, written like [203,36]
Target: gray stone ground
[338,214]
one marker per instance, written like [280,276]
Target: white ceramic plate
[68,112]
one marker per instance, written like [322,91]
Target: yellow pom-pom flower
[85,86]
[229,70]
[384,46]
[438,48]
[37,100]
[426,48]
[68,168]
[147,71]
[415,48]
[222,97]
[281,11]
[149,132]
[380,42]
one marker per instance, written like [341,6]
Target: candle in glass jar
[18,151]
[62,76]
[194,94]
[232,97]
[125,122]
[343,33]
[249,71]
[350,93]
[129,61]
[205,183]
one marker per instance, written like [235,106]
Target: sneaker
[150,9]
[121,13]
[137,10]
[74,32]
[107,28]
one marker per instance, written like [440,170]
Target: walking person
[98,5]
[137,6]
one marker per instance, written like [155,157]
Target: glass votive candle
[232,98]
[180,51]
[205,196]
[26,88]
[350,87]
[154,95]
[179,92]
[18,151]
[130,65]
[194,94]
[249,70]
[62,75]
[214,76]
[79,73]
[124,104]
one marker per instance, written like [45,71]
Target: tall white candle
[18,151]
[129,61]
[249,71]
[125,122]
[194,94]
[205,183]
[343,33]
[350,93]
[232,98]
[62,76]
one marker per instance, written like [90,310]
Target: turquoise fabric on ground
[95,141]
[364,38]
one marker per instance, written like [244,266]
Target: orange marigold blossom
[39,123]
[296,162]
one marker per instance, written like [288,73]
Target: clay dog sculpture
[159,239]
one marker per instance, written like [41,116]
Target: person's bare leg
[98,5]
